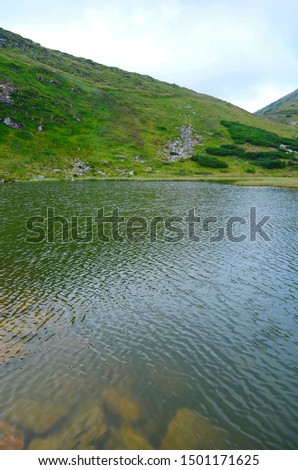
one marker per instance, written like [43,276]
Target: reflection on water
[150,344]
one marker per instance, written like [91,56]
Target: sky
[242,51]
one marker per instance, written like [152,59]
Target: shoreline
[278,181]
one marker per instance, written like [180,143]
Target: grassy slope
[98,113]
[284,110]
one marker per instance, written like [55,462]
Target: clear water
[207,326]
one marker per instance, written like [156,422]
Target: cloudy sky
[242,51]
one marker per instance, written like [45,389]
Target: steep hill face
[284,110]
[64,116]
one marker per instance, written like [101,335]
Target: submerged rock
[37,417]
[79,433]
[121,405]
[189,430]
[125,438]
[10,438]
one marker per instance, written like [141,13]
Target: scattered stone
[80,433]
[138,159]
[40,128]
[101,173]
[37,417]
[120,157]
[5,93]
[80,168]
[125,438]
[13,124]
[189,430]
[130,173]
[285,148]
[10,437]
[121,405]
[183,147]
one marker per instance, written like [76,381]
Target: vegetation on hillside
[284,110]
[67,117]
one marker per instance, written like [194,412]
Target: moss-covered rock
[125,438]
[81,432]
[122,405]
[189,430]
[37,417]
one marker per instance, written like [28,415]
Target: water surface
[211,327]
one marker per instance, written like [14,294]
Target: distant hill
[64,117]
[284,110]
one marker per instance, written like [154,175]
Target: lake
[151,328]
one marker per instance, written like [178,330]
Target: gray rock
[12,123]
[5,93]
[80,168]
[138,159]
[182,147]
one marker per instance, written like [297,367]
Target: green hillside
[284,110]
[66,117]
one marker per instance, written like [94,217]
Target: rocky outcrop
[80,168]
[183,147]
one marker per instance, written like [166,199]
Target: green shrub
[242,134]
[270,164]
[250,170]
[262,155]
[209,162]
[225,151]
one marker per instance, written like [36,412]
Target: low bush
[242,134]
[225,151]
[209,162]
[270,164]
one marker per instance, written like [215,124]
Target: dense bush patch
[209,162]
[270,164]
[242,134]
[225,151]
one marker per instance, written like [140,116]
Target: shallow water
[211,327]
